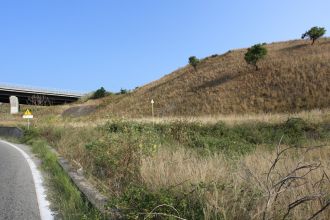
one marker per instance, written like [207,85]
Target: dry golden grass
[293,77]
[316,115]
[181,168]
[243,179]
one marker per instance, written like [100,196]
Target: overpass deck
[24,94]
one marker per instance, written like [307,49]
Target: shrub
[193,61]
[100,93]
[137,202]
[116,159]
[254,54]
[123,91]
[117,154]
[314,33]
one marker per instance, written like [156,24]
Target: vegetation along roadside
[182,170]
[67,201]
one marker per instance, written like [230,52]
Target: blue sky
[81,45]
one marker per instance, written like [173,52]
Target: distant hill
[294,76]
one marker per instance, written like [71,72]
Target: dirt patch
[79,111]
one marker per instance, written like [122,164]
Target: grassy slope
[295,76]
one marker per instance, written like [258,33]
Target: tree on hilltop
[314,33]
[194,61]
[100,93]
[254,54]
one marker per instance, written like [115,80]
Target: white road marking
[43,203]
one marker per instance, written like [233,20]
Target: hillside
[294,76]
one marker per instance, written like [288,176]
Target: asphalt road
[18,199]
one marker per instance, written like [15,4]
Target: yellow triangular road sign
[27,112]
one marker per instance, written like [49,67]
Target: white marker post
[28,115]
[152,111]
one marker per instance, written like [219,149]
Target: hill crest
[294,76]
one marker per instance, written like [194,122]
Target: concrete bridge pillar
[14,105]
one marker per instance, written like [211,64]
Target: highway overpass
[35,96]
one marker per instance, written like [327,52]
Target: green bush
[29,135]
[296,131]
[254,54]
[100,93]
[123,91]
[314,33]
[193,61]
[206,138]
[138,202]
[118,154]
[115,159]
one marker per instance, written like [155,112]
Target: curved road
[18,198]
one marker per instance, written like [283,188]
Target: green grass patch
[137,202]
[65,197]
[231,140]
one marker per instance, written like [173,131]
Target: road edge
[43,203]
[96,198]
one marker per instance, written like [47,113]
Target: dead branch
[299,202]
[321,210]
[164,205]
[278,154]
[163,214]
[293,179]
[153,213]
